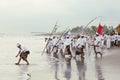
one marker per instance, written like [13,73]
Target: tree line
[92,30]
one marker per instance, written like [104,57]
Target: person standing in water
[23,52]
[97,45]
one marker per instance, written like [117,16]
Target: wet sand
[46,68]
[111,64]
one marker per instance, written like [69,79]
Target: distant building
[118,29]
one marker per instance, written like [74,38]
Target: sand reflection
[99,71]
[67,73]
[81,67]
[23,73]
[56,68]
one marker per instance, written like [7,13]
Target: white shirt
[24,49]
[74,42]
[116,37]
[113,38]
[68,41]
[79,42]
[54,41]
[97,41]
[84,40]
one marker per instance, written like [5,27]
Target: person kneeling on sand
[23,52]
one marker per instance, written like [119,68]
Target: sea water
[42,67]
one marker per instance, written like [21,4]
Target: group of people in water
[80,44]
[74,46]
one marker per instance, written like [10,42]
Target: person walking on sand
[23,52]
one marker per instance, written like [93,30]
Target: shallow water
[45,67]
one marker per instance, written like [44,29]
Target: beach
[46,68]
[111,64]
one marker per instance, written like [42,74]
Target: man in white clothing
[97,44]
[79,48]
[23,52]
[67,46]
[108,43]
[55,46]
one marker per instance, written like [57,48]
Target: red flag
[100,29]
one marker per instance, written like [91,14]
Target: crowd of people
[76,47]
[79,45]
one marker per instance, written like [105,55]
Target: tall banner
[100,29]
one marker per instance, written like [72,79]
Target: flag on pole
[100,29]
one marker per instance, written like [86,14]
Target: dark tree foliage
[77,29]
[92,30]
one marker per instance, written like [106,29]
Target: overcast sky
[41,15]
